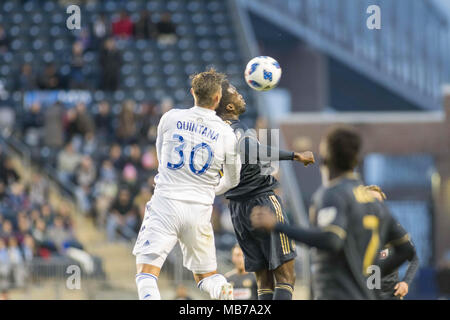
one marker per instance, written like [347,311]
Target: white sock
[212,285]
[147,285]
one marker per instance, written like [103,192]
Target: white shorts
[167,221]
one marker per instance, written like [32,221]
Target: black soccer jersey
[346,209]
[254,179]
[389,281]
[244,285]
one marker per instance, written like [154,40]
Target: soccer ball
[262,73]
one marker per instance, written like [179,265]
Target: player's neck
[241,271]
[212,108]
[336,174]
[229,116]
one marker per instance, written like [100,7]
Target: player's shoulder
[171,113]
[223,126]
[338,193]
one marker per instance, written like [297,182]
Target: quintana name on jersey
[198,128]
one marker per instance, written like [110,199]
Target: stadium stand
[85,103]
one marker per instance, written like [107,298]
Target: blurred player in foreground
[391,286]
[192,146]
[244,283]
[270,256]
[349,226]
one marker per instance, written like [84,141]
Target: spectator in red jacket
[123,27]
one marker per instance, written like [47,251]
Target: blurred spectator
[4,40]
[244,283]
[100,28]
[149,160]
[77,80]
[68,160]
[40,234]
[16,198]
[85,175]
[84,121]
[49,79]
[104,120]
[70,123]
[28,248]
[123,26]
[8,174]
[107,171]
[166,29]
[84,37]
[141,199]
[7,230]
[111,62]
[32,123]
[23,226]
[145,28]
[135,157]
[181,293]
[2,191]
[149,120]
[115,155]
[53,126]
[27,78]
[122,219]
[130,179]
[166,104]
[61,237]
[5,266]
[39,191]
[90,144]
[18,268]
[47,214]
[104,194]
[127,129]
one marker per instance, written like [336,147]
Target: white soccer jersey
[193,145]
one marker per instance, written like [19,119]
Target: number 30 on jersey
[179,150]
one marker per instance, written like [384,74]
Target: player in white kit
[193,146]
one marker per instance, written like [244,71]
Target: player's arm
[411,270]
[160,132]
[231,167]
[402,287]
[329,234]
[398,239]
[254,151]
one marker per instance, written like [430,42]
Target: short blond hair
[205,85]
[377,189]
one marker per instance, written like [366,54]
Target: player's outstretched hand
[306,157]
[263,217]
[401,289]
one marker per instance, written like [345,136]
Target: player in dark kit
[349,226]
[270,256]
[391,286]
[244,283]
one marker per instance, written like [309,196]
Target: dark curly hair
[343,145]
[227,98]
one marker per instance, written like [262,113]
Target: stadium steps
[117,260]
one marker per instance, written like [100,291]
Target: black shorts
[262,250]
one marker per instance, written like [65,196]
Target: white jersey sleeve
[231,167]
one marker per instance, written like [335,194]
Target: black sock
[265,294]
[283,291]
